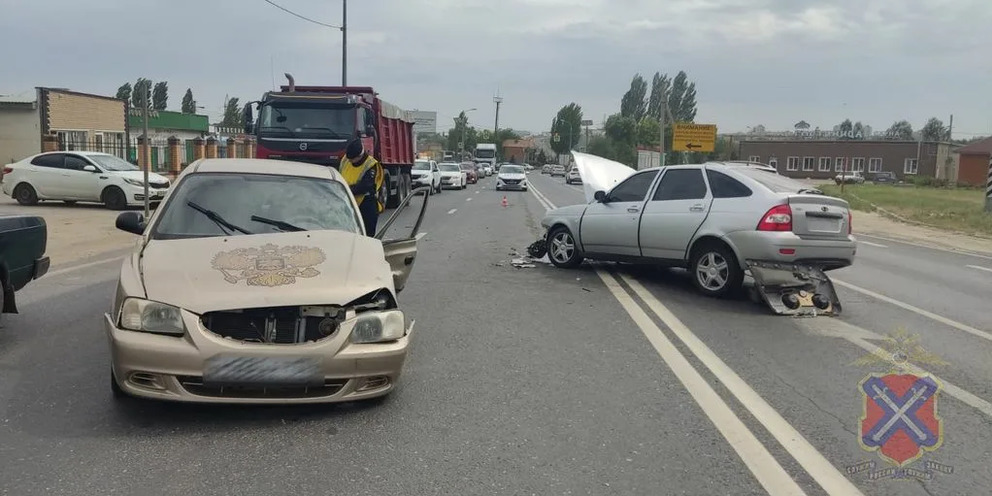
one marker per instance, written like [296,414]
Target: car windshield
[482,153]
[774,182]
[468,167]
[112,163]
[307,203]
[421,165]
[450,167]
[307,119]
[512,169]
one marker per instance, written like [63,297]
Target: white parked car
[452,176]
[486,168]
[426,173]
[573,176]
[511,177]
[81,176]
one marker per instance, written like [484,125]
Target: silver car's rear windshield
[306,203]
[774,182]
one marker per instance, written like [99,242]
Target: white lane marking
[542,199]
[476,192]
[899,241]
[869,243]
[917,310]
[452,211]
[859,337]
[468,199]
[755,455]
[825,473]
[74,268]
[979,267]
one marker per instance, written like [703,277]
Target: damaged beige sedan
[255,282]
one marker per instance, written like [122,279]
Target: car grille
[282,325]
[194,385]
[161,185]
[511,181]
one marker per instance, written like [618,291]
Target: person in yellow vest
[365,176]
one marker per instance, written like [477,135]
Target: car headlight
[378,327]
[151,316]
[134,182]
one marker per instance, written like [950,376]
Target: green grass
[953,209]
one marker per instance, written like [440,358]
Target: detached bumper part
[794,288]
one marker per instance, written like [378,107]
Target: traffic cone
[504,202]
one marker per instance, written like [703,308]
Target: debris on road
[794,289]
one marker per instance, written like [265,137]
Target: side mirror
[90,168]
[132,222]
[600,196]
[248,118]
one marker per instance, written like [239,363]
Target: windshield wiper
[214,216]
[285,226]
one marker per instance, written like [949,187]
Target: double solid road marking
[766,469]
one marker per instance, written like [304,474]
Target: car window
[634,188]
[309,203]
[54,160]
[681,184]
[74,162]
[421,165]
[512,169]
[724,186]
[774,182]
[113,163]
[450,168]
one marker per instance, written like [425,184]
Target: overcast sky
[770,62]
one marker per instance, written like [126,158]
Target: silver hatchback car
[716,219]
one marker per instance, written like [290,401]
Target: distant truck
[485,153]
[315,123]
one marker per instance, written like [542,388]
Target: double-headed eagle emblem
[268,265]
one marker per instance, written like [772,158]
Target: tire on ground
[734,273]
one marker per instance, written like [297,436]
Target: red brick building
[973,162]
[823,159]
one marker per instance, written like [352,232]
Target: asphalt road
[605,379]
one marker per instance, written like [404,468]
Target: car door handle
[633,210]
[696,208]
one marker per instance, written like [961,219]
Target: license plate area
[227,370]
[827,225]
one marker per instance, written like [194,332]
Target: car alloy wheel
[562,249]
[715,270]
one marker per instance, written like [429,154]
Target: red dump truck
[315,123]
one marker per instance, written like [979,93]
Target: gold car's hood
[264,270]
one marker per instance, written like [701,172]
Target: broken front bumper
[794,288]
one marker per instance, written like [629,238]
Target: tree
[682,98]
[124,92]
[621,129]
[659,83]
[900,130]
[141,93]
[845,128]
[542,158]
[566,128]
[633,104]
[232,113]
[648,132]
[160,96]
[933,130]
[189,104]
[455,134]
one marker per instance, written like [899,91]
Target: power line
[284,9]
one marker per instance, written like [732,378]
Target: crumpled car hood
[599,174]
[263,270]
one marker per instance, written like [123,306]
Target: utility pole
[988,189]
[661,119]
[344,42]
[146,156]
[498,100]
[950,128]
[464,125]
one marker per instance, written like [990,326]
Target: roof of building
[167,119]
[78,93]
[981,147]
[18,98]
[521,143]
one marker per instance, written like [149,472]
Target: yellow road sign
[688,137]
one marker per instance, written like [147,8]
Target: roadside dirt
[873,223]
[75,232]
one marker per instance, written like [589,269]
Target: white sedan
[511,177]
[452,176]
[81,176]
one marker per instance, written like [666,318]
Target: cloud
[772,62]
